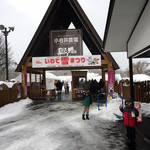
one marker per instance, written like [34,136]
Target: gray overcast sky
[26,15]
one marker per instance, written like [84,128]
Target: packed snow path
[47,125]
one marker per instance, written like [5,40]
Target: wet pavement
[57,125]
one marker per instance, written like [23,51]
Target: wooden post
[24,71]
[103,75]
[40,78]
[103,78]
[35,77]
[44,78]
[30,78]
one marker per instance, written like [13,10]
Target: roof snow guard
[59,16]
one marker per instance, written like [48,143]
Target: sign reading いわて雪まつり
[66,42]
[66,61]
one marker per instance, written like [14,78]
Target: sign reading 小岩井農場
[66,42]
[66,61]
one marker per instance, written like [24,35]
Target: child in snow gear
[130,119]
[86,105]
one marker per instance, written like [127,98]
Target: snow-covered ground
[55,125]
[15,108]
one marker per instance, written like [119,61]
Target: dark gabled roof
[60,14]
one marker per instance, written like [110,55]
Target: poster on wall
[66,61]
[110,81]
[66,42]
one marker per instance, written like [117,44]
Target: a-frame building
[59,16]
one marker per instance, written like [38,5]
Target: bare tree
[11,63]
[141,67]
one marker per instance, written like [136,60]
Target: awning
[128,27]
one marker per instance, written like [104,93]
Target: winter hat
[129,100]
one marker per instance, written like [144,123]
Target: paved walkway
[57,125]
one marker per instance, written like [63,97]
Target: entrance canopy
[128,28]
[59,16]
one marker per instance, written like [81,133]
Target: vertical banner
[25,82]
[110,81]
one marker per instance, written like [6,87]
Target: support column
[131,78]
[103,78]
[44,78]
[40,78]
[30,78]
[103,75]
[35,77]
[24,90]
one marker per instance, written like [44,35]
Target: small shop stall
[78,79]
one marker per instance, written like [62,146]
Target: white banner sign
[66,61]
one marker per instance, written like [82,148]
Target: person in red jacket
[130,119]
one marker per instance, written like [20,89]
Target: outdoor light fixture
[5,32]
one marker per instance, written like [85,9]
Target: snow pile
[113,107]
[145,109]
[9,84]
[140,77]
[13,109]
[107,112]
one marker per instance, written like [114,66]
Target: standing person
[66,87]
[43,88]
[42,85]
[59,88]
[130,119]
[81,83]
[94,88]
[101,85]
[87,101]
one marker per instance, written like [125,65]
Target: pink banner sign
[110,81]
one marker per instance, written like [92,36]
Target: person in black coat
[94,88]
[101,85]
[59,85]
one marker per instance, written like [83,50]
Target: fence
[141,90]
[34,91]
[10,95]
[14,94]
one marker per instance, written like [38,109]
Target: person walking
[87,101]
[59,88]
[130,119]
